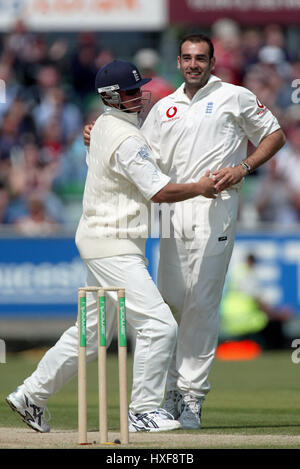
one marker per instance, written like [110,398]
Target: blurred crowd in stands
[49,96]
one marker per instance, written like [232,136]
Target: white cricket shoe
[190,417]
[157,421]
[172,402]
[31,414]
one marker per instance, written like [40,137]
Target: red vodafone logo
[259,104]
[171,112]
[262,108]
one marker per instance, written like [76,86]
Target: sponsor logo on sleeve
[261,108]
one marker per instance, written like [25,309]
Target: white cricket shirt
[211,131]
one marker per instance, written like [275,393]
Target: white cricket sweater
[115,213]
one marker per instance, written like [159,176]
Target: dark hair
[197,37]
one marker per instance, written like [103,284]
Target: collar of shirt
[180,95]
[131,117]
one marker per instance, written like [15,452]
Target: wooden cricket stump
[102,368]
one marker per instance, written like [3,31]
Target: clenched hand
[226,177]
[208,188]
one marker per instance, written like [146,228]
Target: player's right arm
[171,192]
[135,161]
[178,192]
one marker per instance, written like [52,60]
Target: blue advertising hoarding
[39,277]
[278,256]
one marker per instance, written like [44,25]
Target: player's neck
[191,90]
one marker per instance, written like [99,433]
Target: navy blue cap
[117,76]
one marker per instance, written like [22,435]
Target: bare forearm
[176,193]
[267,148]
[179,192]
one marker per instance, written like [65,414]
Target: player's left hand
[226,177]
[87,133]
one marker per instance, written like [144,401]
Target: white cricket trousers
[191,280]
[149,317]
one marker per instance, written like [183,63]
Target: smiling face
[195,65]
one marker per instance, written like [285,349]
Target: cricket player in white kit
[122,179]
[204,125]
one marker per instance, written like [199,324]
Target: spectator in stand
[226,37]
[47,77]
[16,125]
[9,136]
[35,56]
[12,88]
[72,170]
[56,109]
[271,58]
[292,116]
[268,77]
[274,37]
[19,40]
[31,167]
[104,57]
[252,41]
[36,221]
[282,205]
[284,98]
[147,61]
[3,202]
[58,54]
[288,165]
[83,66]
[52,142]
[268,73]
[19,46]
[29,174]
[255,81]
[272,199]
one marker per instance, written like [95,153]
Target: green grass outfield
[258,397]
